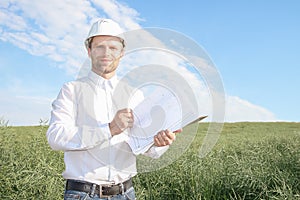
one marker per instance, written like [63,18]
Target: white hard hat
[105,27]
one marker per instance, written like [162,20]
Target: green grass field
[250,161]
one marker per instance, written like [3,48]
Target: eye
[113,48]
[100,47]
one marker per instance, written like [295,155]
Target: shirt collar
[102,82]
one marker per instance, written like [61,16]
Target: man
[91,130]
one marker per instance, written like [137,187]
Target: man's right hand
[122,120]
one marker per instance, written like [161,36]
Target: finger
[127,114]
[169,136]
[158,141]
[129,120]
[130,125]
[126,121]
[161,138]
[178,131]
[127,110]
[126,117]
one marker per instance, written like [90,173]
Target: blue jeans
[76,195]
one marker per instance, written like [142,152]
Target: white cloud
[24,110]
[12,21]
[127,17]
[238,109]
[57,31]
[4,3]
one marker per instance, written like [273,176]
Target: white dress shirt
[79,126]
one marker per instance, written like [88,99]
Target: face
[105,53]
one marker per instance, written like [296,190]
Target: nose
[106,51]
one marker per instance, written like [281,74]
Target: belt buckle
[101,195]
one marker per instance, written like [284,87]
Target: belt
[105,190]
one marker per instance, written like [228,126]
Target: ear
[89,52]
[122,53]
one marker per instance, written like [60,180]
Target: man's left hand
[165,137]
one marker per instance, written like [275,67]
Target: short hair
[90,40]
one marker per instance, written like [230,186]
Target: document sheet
[159,111]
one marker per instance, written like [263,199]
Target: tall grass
[29,168]
[250,161]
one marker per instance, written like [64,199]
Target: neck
[104,75]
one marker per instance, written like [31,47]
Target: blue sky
[255,45]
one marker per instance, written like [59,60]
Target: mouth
[106,60]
